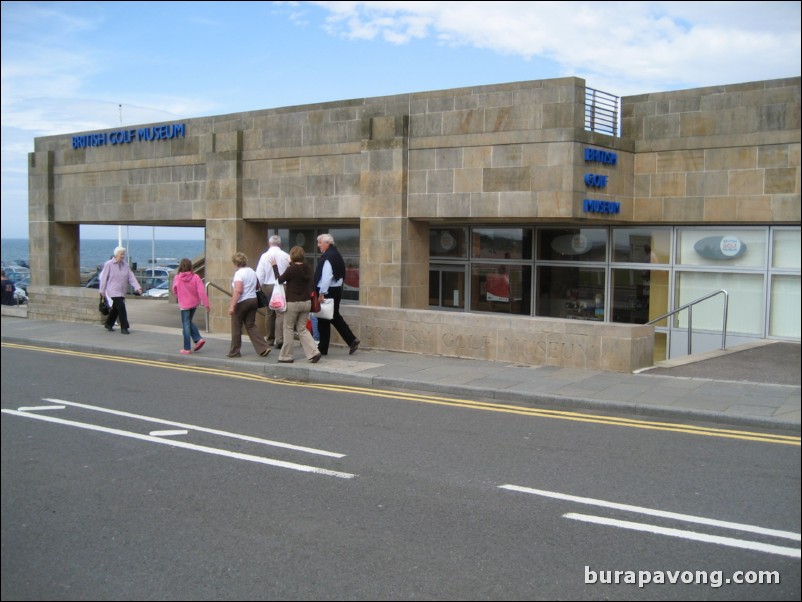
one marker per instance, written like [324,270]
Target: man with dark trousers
[329,276]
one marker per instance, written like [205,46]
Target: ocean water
[96,252]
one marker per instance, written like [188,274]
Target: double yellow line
[438,400]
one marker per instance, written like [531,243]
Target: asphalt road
[248,489]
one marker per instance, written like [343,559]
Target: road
[147,480]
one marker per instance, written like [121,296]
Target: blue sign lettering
[122,137]
[160,132]
[89,140]
[594,206]
[595,180]
[596,155]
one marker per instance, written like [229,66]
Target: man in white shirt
[274,321]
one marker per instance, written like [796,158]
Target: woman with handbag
[297,281]
[242,308]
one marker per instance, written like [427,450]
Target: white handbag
[326,310]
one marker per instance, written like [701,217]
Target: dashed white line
[716,539]
[167,433]
[659,513]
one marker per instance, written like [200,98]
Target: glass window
[501,243]
[722,247]
[639,295]
[501,288]
[447,287]
[746,308]
[572,244]
[448,242]
[785,303]
[346,240]
[786,249]
[570,292]
[642,245]
[301,237]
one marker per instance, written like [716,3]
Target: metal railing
[601,112]
[222,290]
[689,307]
[225,292]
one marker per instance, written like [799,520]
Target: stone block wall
[723,154]
[530,341]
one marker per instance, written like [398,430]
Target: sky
[71,67]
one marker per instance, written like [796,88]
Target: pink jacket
[189,290]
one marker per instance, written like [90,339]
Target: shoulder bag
[261,298]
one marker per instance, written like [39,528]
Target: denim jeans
[191,332]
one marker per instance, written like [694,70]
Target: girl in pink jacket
[189,290]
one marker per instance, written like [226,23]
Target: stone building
[537,222]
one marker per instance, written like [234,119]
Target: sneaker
[185,352]
[354,346]
[266,352]
[233,355]
[200,344]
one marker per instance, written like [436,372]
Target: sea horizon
[96,251]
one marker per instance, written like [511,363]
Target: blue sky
[84,66]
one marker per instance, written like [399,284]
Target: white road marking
[181,444]
[167,433]
[309,450]
[661,513]
[723,541]
[40,408]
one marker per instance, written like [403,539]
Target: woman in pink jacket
[190,292]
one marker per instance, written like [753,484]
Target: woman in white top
[242,308]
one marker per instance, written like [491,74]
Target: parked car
[94,281]
[151,277]
[20,296]
[162,289]
[20,278]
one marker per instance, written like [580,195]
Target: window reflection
[447,242]
[501,288]
[570,292]
[641,245]
[501,243]
[572,244]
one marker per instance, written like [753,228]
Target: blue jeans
[191,332]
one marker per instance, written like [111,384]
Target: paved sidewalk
[714,387]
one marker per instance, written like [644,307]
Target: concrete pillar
[226,232]
[393,262]
[54,252]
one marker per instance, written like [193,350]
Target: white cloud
[64,73]
[635,46]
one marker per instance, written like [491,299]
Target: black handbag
[103,307]
[261,298]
